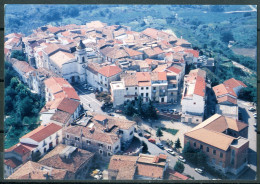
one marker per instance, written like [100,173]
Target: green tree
[140,111]
[129,109]
[18,54]
[177,144]
[179,167]
[145,147]
[189,153]
[201,158]
[159,132]
[226,36]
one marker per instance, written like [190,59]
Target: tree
[140,111]
[18,54]
[177,144]
[145,147]
[189,152]
[201,158]
[179,167]
[226,36]
[159,132]
[129,109]
[150,111]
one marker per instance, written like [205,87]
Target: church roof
[81,45]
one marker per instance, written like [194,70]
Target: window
[171,94]
[201,147]
[147,87]
[135,93]
[207,149]
[126,88]
[147,94]
[100,145]
[194,103]
[194,144]
[88,142]
[83,59]
[154,88]
[116,148]
[100,77]
[135,88]
[142,88]
[214,152]
[100,151]
[221,155]
[109,147]
[109,154]
[76,138]
[68,136]
[142,94]
[131,133]
[245,160]
[105,79]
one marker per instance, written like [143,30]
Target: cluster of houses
[128,64]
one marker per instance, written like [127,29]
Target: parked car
[118,111]
[180,158]
[90,89]
[160,145]
[251,109]
[170,151]
[200,171]
[255,115]
[140,134]
[110,114]
[147,136]
[152,140]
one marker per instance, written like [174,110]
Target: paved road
[154,150]
[88,98]
[248,118]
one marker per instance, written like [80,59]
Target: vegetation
[179,167]
[103,96]
[145,147]
[21,108]
[19,54]
[170,130]
[138,109]
[195,156]
[177,144]
[159,132]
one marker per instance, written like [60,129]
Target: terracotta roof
[42,132]
[77,160]
[211,131]
[68,105]
[143,76]
[174,69]
[158,76]
[194,52]
[227,99]
[200,86]
[61,88]
[174,175]
[60,58]
[95,24]
[54,29]
[129,80]
[100,117]
[233,83]
[21,149]
[125,165]
[61,117]
[216,139]
[181,42]
[132,52]
[178,49]
[152,171]
[33,170]
[12,162]
[97,135]
[153,33]
[93,67]
[23,66]
[221,89]
[51,48]
[153,51]
[109,71]
[160,68]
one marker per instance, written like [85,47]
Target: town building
[59,88]
[117,93]
[223,140]
[44,138]
[35,171]
[122,167]
[23,69]
[101,134]
[194,96]
[75,161]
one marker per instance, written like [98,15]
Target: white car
[199,170]
[90,89]
[251,109]
[98,177]
[255,115]
[180,158]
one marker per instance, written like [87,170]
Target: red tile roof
[151,32]
[54,29]
[42,132]
[227,99]
[200,86]
[174,69]
[143,76]
[20,149]
[68,105]
[12,162]
[100,117]
[109,71]
[233,83]
[221,89]
[23,66]
[194,52]
[132,52]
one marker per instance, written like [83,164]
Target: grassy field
[170,130]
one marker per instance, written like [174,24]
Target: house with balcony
[223,140]
[194,97]
[159,86]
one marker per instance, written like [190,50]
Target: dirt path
[253,9]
